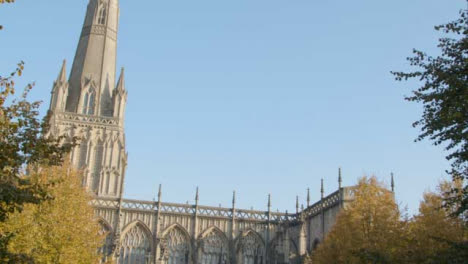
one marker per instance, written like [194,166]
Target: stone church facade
[90,105]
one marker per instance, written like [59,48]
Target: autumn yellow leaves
[372,229]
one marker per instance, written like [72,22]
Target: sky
[252,95]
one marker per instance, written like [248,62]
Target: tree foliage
[434,235]
[22,142]
[59,230]
[444,96]
[367,231]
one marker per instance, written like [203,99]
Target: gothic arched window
[97,166]
[88,102]
[251,249]
[214,249]
[176,247]
[102,15]
[135,247]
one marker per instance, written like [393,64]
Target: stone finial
[62,77]
[302,207]
[233,199]
[121,82]
[297,204]
[392,184]
[308,197]
[321,188]
[340,179]
[269,202]
[160,193]
[197,196]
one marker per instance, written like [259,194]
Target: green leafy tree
[444,96]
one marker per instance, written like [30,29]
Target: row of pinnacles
[90,105]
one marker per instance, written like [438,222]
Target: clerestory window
[102,15]
[88,103]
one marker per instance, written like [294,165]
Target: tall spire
[308,197]
[91,91]
[94,66]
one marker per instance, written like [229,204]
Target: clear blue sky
[257,96]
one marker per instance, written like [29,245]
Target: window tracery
[135,248]
[214,249]
[251,249]
[175,248]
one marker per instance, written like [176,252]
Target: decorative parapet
[332,200]
[187,209]
[74,118]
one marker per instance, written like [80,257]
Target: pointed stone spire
[308,197]
[121,83]
[94,66]
[62,77]
[119,96]
[197,196]
[297,204]
[321,188]
[160,193]
[302,207]
[340,179]
[392,182]
[60,90]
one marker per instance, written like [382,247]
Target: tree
[22,142]
[436,236]
[444,96]
[59,230]
[369,230]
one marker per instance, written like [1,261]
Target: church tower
[90,105]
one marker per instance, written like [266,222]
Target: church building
[90,105]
